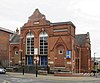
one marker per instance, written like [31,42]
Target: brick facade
[53,43]
[4,46]
[83,53]
[14,53]
[60,38]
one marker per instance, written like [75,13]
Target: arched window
[30,43]
[43,43]
[43,48]
[16,51]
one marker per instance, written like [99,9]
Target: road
[4,78]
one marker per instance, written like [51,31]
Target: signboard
[68,54]
[51,62]
[35,51]
[36,59]
[68,62]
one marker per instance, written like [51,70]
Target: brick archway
[16,55]
[59,55]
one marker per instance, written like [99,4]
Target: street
[6,78]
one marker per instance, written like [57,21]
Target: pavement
[52,77]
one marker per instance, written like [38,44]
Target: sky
[84,14]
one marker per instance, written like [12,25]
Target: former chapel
[53,45]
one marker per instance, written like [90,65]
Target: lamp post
[21,56]
[36,64]
[23,65]
[94,64]
[22,60]
[36,67]
[36,59]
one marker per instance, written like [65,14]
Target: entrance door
[43,60]
[29,60]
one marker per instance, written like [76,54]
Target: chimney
[17,31]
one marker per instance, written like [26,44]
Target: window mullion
[43,45]
[30,45]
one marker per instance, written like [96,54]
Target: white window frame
[16,52]
[29,35]
[43,34]
[59,51]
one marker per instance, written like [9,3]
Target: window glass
[30,43]
[16,51]
[60,51]
[43,43]
[30,60]
[43,60]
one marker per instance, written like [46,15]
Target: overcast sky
[85,14]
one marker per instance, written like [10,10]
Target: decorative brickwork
[55,45]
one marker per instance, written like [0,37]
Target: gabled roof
[37,18]
[80,39]
[15,39]
[6,30]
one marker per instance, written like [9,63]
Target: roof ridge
[81,34]
[13,36]
[7,30]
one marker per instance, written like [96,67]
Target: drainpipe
[9,54]
[79,59]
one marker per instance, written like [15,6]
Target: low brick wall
[68,74]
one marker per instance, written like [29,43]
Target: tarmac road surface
[30,78]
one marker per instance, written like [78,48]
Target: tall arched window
[29,48]
[30,43]
[43,43]
[43,48]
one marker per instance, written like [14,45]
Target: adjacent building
[5,35]
[82,53]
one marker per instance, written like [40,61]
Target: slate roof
[80,39]
[6,30]
[15,39]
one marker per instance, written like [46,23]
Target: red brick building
[54,45]
[82,53]
[14,49]
[4,46]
